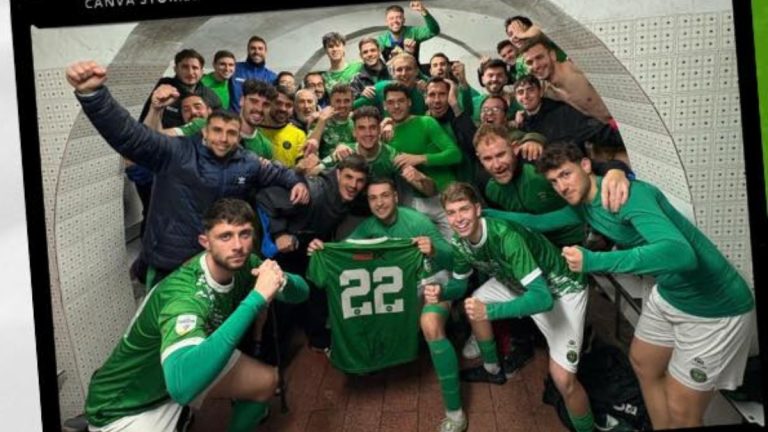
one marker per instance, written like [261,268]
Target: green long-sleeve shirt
[423,135]
[418,105]
[655,239]
[408,224]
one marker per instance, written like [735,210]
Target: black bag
[613,391]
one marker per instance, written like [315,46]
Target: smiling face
[493,112]
[540,61]
[366,132]
[398,104]
[513,36]
[287,81]
[342,104]
[395,21]
[189,71]
[315,82]
[253,107]
[335,51]
[494,79]
[306,104]
[221,136]
[351,183]
[382,199]
[224,68]
[370,53]
[193,107]
[497,157]
[528,96]
[281,109]
[257,52]
[464,218]
[509,54]
[404,70]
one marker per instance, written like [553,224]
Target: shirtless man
[564,81]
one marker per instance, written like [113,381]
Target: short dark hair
[537,40]
[255,38]
[366,40]
[366,112]
[527,79]
[396,87]
[190,95]
[333,38]
[556,154]
[228,210]
[220,54]
[223,114]
[355,162]
[524,20]
[458,191]
[502,44]
[309,74]
[282,74]
[188,53]
[439,54]
[285,91]
[438,80]
[340,88]
[258,87]
[382,180]
[395,8]
[496,97]
[493,63]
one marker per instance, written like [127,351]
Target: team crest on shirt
[698,375]
[287,145]
[185,324]
[572,356]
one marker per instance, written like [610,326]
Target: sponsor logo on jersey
[363,256]
[185,324]
[572,356]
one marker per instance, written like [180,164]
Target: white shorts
[563,326]
[164,417]
[707,353]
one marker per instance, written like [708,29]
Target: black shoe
[520,356]
[479,374]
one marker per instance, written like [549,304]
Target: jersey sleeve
[449,153]
[192,127]
[563,218]
[182,323]
[666,249]
[430,29]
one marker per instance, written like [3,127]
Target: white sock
[456,416]
[492,368]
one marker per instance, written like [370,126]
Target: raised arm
[558,219]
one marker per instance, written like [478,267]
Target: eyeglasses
[491,110]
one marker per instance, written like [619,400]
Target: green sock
[488,351]
[246,415]
[447,370]
[584,423]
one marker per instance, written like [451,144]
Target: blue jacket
[247,70]
[188,178]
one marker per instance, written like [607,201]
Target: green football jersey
[181,311]
[531,192]
[515,256]
[344,76]
[373,303]
[381,165]
[335,133]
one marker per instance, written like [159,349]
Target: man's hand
[615,190]
[432,294]
[326,113]
[459,72]
[412,175]
[476,310]
[404,159]
[311,146]
[164,95]
[424,244]
[516,28]
[519,119]
[341,151]
[286,243]
[421,85]
[418,7]
[574,257]
[369,92]
[86,76]
[387,129]
[530,150]
[269,279]
[409,45]
[315,245]
[299,194]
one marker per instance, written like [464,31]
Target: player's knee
[432,326]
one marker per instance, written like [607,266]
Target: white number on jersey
[362,287]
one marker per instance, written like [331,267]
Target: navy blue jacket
[188,178]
